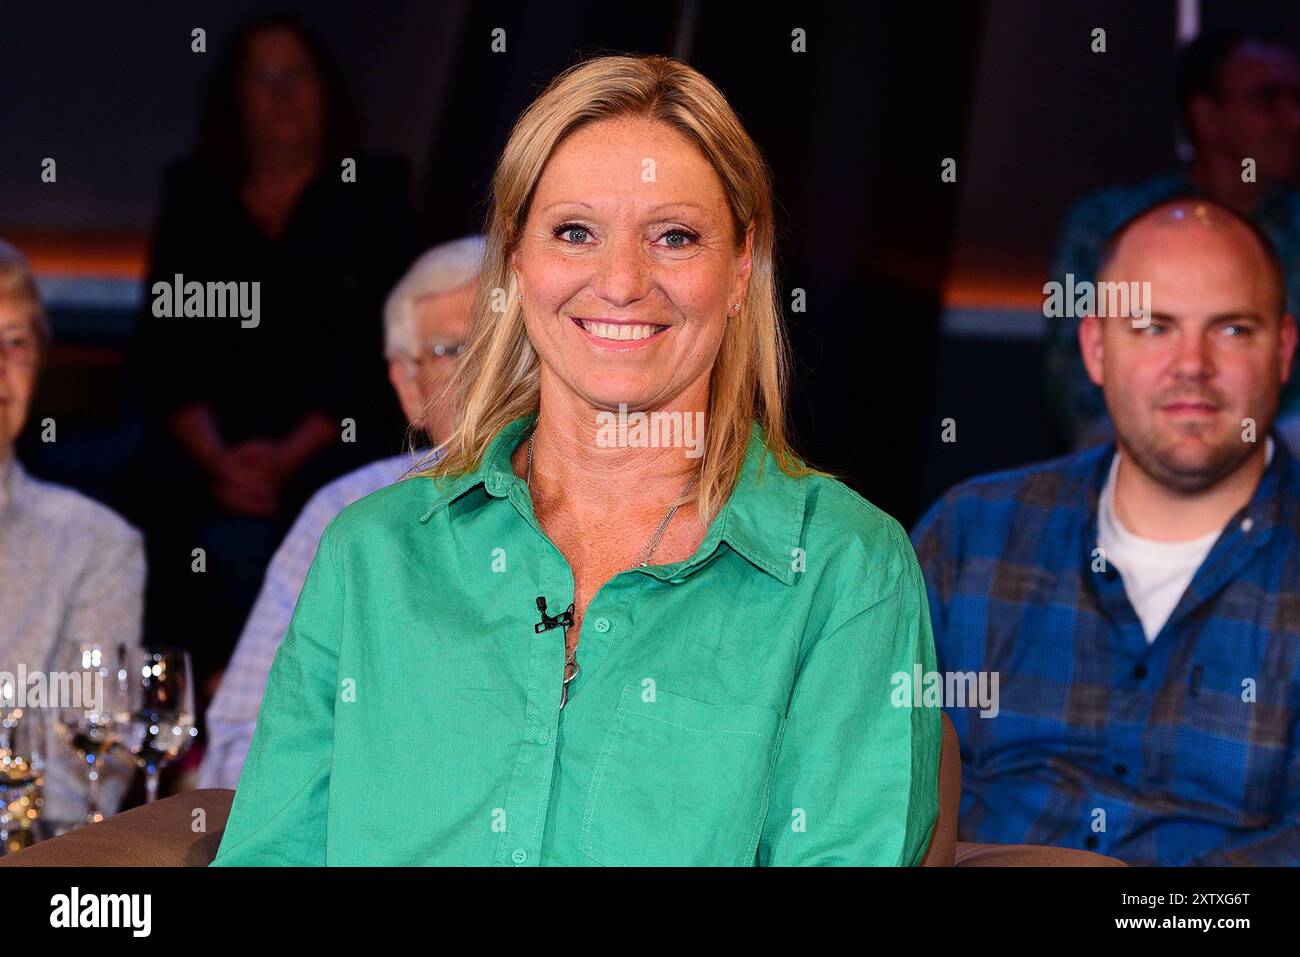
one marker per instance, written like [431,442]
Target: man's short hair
[1276,270]
[444,268]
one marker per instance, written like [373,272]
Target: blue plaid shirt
[1181,751]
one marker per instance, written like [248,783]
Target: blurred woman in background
[249,419]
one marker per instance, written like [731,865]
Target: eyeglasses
[19,347]
[439,350]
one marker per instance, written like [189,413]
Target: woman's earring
[735,307]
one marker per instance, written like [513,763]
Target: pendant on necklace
[564,687]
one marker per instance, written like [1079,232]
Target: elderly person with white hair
[426,317]
[70,569]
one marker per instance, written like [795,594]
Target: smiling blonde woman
[554,648]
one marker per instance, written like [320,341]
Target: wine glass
[22,768]
[92,672]
[156,717]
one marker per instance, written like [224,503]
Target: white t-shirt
[1155,573]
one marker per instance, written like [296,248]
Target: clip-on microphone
[564,618]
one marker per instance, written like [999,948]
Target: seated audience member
[1140,601]
[70,569]
[248,413]
[425,320]
[1239,96]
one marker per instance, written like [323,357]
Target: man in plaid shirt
[1140,601]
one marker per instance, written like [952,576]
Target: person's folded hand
[246,495]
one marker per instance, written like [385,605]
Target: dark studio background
[920,294]
[870,257]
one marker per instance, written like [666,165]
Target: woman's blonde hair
[498,373]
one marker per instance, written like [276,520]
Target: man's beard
[1154,452]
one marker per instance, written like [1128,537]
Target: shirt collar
[1264,510]
[1108,518]
[494,471]
[762,519]
[1257,518]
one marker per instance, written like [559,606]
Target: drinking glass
[92,679]
[156,718]
[22,768]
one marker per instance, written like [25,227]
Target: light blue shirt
[70,570]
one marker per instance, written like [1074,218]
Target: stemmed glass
[93,677]
[22,767]
[155,719]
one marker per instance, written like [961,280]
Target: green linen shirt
[734,708]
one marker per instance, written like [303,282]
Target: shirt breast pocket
[680,782]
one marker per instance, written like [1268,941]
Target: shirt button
[1121,770]
[1091,842]
[518,855]
[1247,524]
[544,737]
[1140,672]
[602,625]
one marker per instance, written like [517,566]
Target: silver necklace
[570,660]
